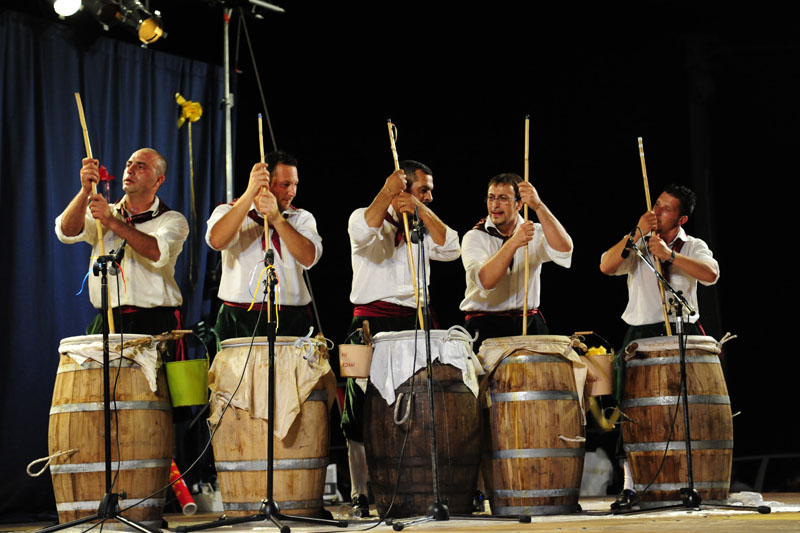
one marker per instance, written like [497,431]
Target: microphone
[120,253]
[418,227]
[116,257]
[629,244]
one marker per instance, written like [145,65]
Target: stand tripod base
[690,497]
[108,510]
[269,511]
[691,501]
[438,512]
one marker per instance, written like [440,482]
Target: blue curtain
[128,98]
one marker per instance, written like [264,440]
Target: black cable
[682,384]
[219,422]
[410,404]
[258,78]
[114,389]
[102,522]
[382,519]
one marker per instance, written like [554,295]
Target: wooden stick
[266,222]
[525,209]
[392,137]
[101,247]
[658,263]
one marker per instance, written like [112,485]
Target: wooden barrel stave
[457,438]
[301,460]
[145,440]
[530,470]
[651,389]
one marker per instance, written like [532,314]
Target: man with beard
[383,290]
[493,253]
[237,230]
[685,261]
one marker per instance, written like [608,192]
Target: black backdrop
[711,88]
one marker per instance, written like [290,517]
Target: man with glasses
[493,253]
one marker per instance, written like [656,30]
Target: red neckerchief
[676,246]
[494,232]
[144,216]
[400,234]
[274,238]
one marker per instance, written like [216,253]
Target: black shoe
[625,500]
[361,506]
[477,502]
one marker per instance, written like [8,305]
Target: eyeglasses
[502,199]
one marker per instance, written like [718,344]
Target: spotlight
[130,14]
[65,8]
[105,11]
[148,25]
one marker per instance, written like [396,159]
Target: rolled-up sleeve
[474,254]
[170,235]
[87,234]
[450,250]
[361,235]
[702,252]
[306,225]
[219,212]
[563,259]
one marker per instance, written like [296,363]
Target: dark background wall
[711,87]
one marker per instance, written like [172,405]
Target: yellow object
[606,424]
[191,111]
[188,381]
[594,350]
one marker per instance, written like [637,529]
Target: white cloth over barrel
[394,359]
[493,351]
[298,369]
[662,344]
[79,349]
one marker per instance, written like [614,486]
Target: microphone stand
[438,510]
[269,508]
[109,506]
[690,497]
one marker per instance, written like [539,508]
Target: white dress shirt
[147,283]
[644,300]
[380,269]
[244,255]
[509,293]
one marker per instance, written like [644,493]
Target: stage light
[130,14]
[65,8]
[147,25]
[105,11]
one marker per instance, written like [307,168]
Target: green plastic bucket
[188,381]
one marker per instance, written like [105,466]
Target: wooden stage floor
[785,516]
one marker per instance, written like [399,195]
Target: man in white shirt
[493,253]
[383,290]
[685,260]
[237,230]
[150,300]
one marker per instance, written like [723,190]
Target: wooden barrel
[652,388]
[535,454]
[457,440]
[300,459]
[141,429]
